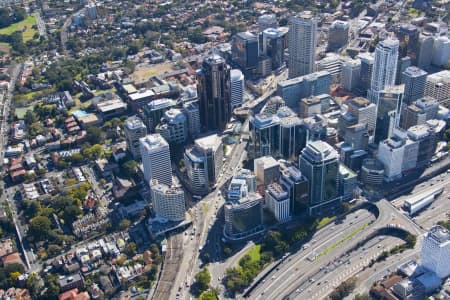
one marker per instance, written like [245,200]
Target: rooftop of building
[425,102]
[214,59]
[246,35]
[194,155]
[389,42]
[300,79]
[267,162]
[439,233]
[414,71]
[442,76]
[174,115]
[161,188]
[394,89]
[272,33]
[191,106]
[153,141]
[277,191]
[161,103]
[311,100]
[250,199]
[319,151]
[212,141]
[340,24]
[141,94]
[366,57]
[373,164]
[65,280]
[346,172]
[418,131]
[134,123]
[236,74]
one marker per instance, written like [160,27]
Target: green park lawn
[24,25]
[255,252]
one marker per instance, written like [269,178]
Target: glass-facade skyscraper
[214,93]
[319,163]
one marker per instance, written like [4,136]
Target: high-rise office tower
[278,202]
[319,163]
[266,21]
[426,139]
[338,35]
[272,46]
[365,74]
[388,112]
[168,201]
[414,80]
[214,93]
[302,45]
[424,50]
[436,251]
[309,107]
[441,51]
[402,64]
[196,171]
[192,113]
[134,129]
[155,154]
[237,87]
[173,127]
[154,111]
[292,90]
[211,149]
[357,136]
[350,73]
[407,35]
[244,51]
[418,112]
[297,186]
[384,68]
[437,85]
[292,134]
[364,111]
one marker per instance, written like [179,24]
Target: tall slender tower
[156,158]
[302,44]
[214,93]
[134,130]
[384,67]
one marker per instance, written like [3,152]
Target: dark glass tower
[214,93]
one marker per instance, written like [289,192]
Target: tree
[124,224]
[94,135]
[52,287]
[130,249]
[33,285]
[30,117]
[129,168]
[202,280]
[71,213]
[77,158]
[208,295]
[362,297]
[39,228]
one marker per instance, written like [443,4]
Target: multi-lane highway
[320,284]
[331,242]
[319,249]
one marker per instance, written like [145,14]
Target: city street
[204,218]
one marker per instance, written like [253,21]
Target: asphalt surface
[286,277]
[205,218]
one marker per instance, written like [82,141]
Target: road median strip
[341,241]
